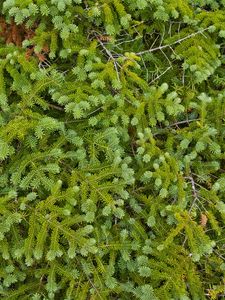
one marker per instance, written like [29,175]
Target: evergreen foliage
[112,119]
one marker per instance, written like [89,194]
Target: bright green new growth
[112,150]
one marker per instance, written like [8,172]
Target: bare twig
[154,41]
[174,43]
[222,257]
[94,111]
[146,69]
[162,37]
[182,122]
[110,57]
[160,75]
[194,191]
[94,287]
[128,41]
[166,57]
[56,107]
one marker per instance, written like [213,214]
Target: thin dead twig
[174,43]
[111,57]
[160,75]
[194,191]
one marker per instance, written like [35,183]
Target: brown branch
[56,107]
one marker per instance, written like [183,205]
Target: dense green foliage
[112,171]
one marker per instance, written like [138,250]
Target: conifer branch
[110,187]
